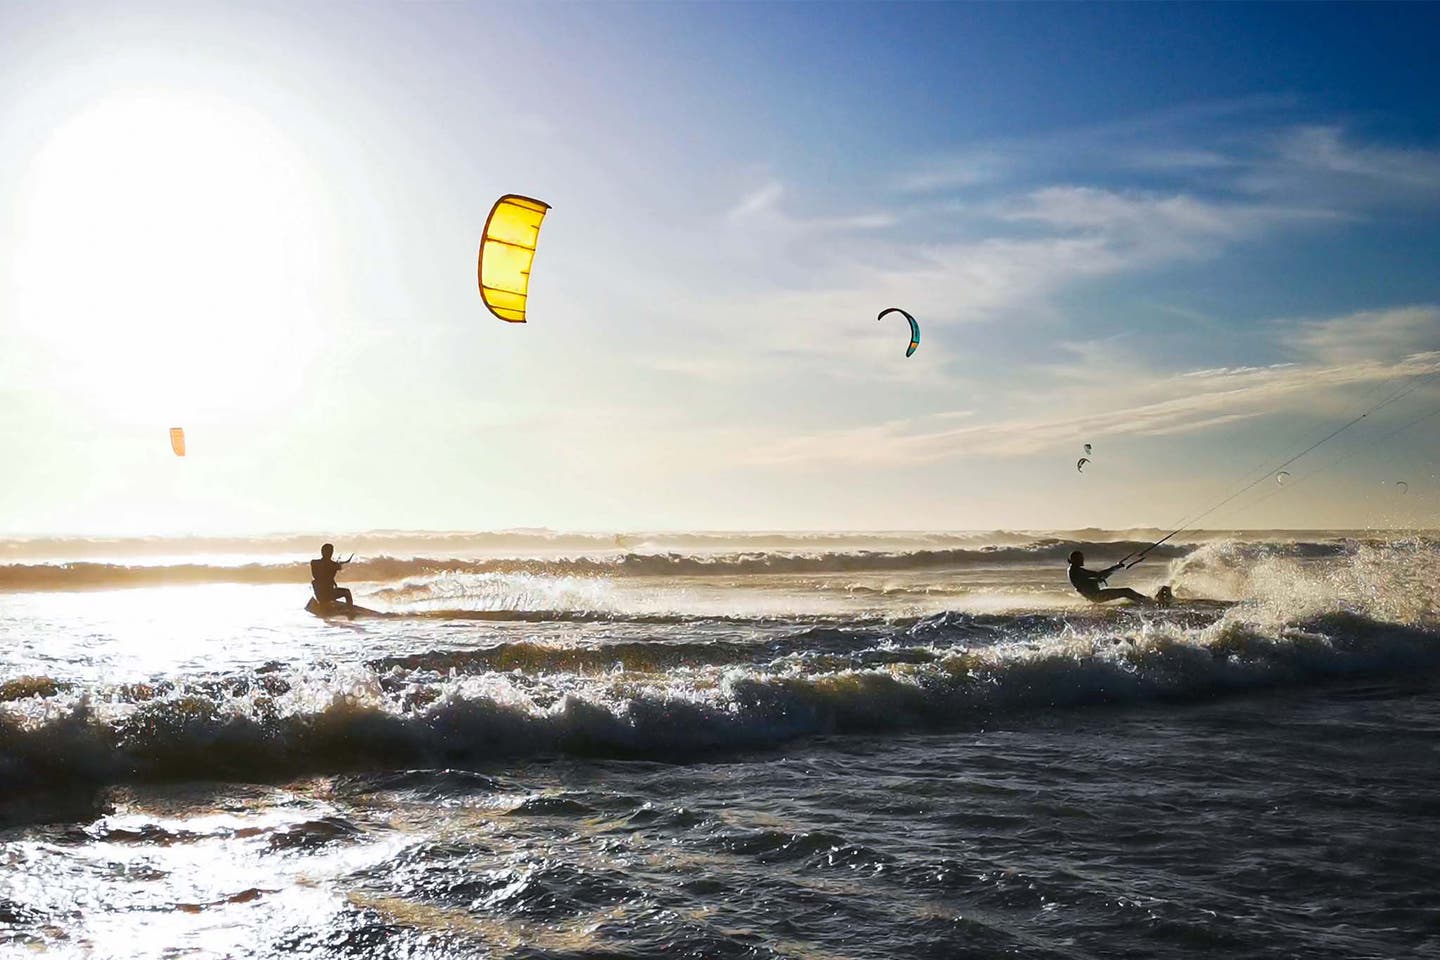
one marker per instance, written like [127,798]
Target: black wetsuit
[322,581]
[1088,584]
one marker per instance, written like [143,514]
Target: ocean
[721,745]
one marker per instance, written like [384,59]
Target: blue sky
[1198,237]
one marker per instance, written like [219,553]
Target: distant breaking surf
[89,575]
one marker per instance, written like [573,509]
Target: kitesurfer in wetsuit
[322,577]
[1088,582]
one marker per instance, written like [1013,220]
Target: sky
[1199,238]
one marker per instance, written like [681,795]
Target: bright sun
[169,260]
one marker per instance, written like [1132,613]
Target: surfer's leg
[1117,593]
[342,592]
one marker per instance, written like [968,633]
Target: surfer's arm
[1101,576]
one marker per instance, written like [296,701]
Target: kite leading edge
[914,327]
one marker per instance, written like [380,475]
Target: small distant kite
[914,327]
[177,440]
[1283,477]
[1402,486]
[1087,449]
[1080,464]
[507,249]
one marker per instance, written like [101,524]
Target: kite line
[1187,524]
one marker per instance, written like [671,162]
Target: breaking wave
[669,701]
[521,542]
[394,570]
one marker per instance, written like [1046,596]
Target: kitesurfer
[1088,582]
[322,577]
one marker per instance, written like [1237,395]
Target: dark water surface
[849,763]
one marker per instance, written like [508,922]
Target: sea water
[721,745]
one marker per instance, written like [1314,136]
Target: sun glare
[169,261]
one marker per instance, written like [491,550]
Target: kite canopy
[1283,477]
[914,327]
[1080,464]
[507,249]
[1402,486]
[177,440]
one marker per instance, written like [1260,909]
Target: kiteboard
[1165,597]
[329,610]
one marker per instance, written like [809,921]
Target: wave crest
[440,709]
[396,570]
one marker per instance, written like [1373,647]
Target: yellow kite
[506,251]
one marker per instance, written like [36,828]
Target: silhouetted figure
[1088,582]
[322,577]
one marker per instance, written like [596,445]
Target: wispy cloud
[1195,136]
[982,166]
[1328,149]
[1186,402]
[762,206]
[762,200]
[1046,241]
[1005,259]
[1141,214]
[1369,334]
[1241,150]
